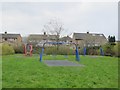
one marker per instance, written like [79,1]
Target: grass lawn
[19,71]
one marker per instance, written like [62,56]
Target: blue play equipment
[66,56]
[77,54]
[60,43]
[41,54]
[101,51]
[84,51]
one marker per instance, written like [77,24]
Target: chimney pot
[87,32]
[5,32]
[44,33]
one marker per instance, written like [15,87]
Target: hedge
[52,50]
[7,49]
[19,49]
[116,50]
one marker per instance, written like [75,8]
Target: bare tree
[54,27]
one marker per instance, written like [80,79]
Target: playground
[20,71]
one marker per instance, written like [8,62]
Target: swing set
[60,43]
[28,49]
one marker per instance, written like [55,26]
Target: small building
[14,39]
[40,39]
[66,39]
[89,39]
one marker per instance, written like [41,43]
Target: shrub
[19,49]
[116,49]
[62,50]
[36,50]
[0,49]
[93,50]
[7,49]
[66,51]
[108,49]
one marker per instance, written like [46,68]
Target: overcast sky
[30,17]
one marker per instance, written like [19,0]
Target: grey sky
[28,18]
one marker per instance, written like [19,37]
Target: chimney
[44,33]
[5,32]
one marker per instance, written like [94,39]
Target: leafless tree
[54,27]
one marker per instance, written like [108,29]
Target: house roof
[88,35]
[52,36]
[66,38]
[79,35]
[36,36]
[9,35]
[41,37]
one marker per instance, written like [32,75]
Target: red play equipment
[28,49]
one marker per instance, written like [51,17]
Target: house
[14,39]
[89,39]
[66,39]
[40,39]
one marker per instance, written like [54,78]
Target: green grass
[27,72]
[0,73]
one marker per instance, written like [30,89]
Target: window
[88,45]
[5,39]
[93,34]
[101,35]
[96,44]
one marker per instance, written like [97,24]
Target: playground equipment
[84,51]
[28,49]
[101,51]
[60,43]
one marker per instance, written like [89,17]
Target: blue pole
[77,54]
[41,54]
[84,51]
[101,52]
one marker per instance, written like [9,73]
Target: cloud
[26,18]
[59,1]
